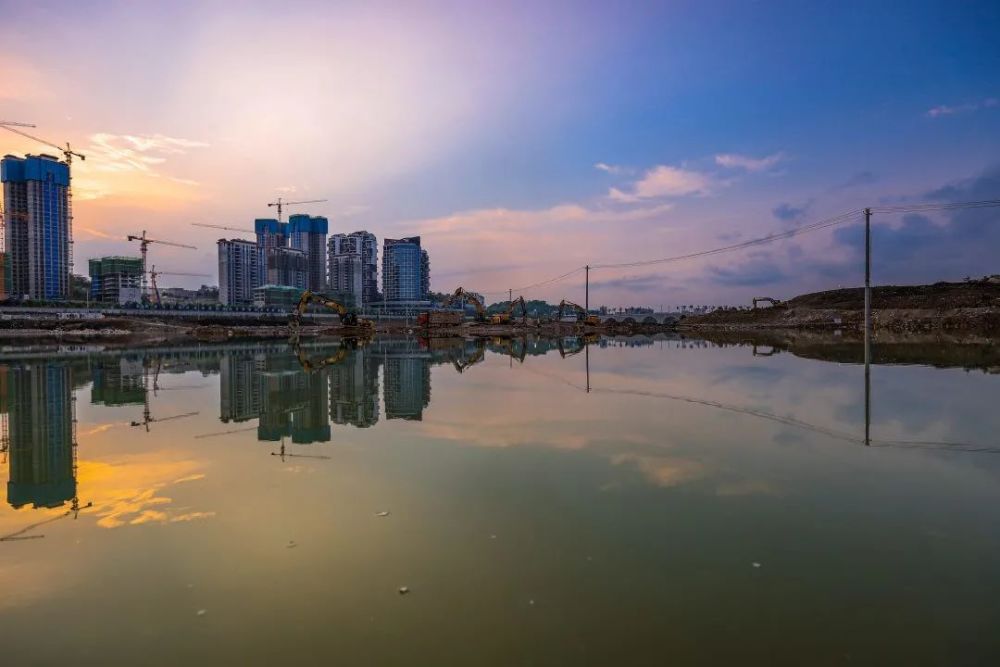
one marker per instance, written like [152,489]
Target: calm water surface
[698,505]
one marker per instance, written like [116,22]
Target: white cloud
[664,181]
[748,163]
[136,153]
[609,168]
[946,110]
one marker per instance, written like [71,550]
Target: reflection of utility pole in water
[586,362]
[868,325]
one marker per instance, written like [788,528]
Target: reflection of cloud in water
[662,470]
[132,492]
[747,487]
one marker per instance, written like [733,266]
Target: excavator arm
[461,293]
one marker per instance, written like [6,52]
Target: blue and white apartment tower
[308,234]
[39,226]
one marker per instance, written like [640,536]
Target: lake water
[700,504]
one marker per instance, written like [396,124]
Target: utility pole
[868,324]
[586,291]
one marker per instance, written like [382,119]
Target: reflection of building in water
[293,402]
[41,421]
[407,378]
[117,382]
[240,385]
[354,389]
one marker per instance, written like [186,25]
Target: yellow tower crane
[144,242]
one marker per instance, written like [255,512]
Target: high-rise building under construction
[38,226]
[308,234]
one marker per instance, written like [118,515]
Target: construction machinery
[348,318]
[156,290]
[507,316]
[766,299]
[144,242]
[581,313]
[280,204]
[67,152]
[464,296]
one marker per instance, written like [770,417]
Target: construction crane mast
[152,279]
[280,203]
[144,242]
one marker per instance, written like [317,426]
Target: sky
[522,140]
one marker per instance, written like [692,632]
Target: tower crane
[280,203]
[232,229]
[144,242]
[152,279]
[67,152]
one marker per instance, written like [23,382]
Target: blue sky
[479,126]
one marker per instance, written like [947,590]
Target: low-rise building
[284,297]
[116,279]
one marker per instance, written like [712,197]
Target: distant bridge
[639,318]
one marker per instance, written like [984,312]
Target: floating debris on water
[756,564]
[291,544]
[201,612]
[383,513]
[403,590]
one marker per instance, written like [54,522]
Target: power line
[822,224]
[950,206]
[538,284]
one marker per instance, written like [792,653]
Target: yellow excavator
[508,315]
[460,293]
[348,318]
[582,314]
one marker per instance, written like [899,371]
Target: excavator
[508,315]
[460,293]
[348,318]
[582,314]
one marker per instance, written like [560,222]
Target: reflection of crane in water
[221,433]
[147,417]
[282,453]
[74,509]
